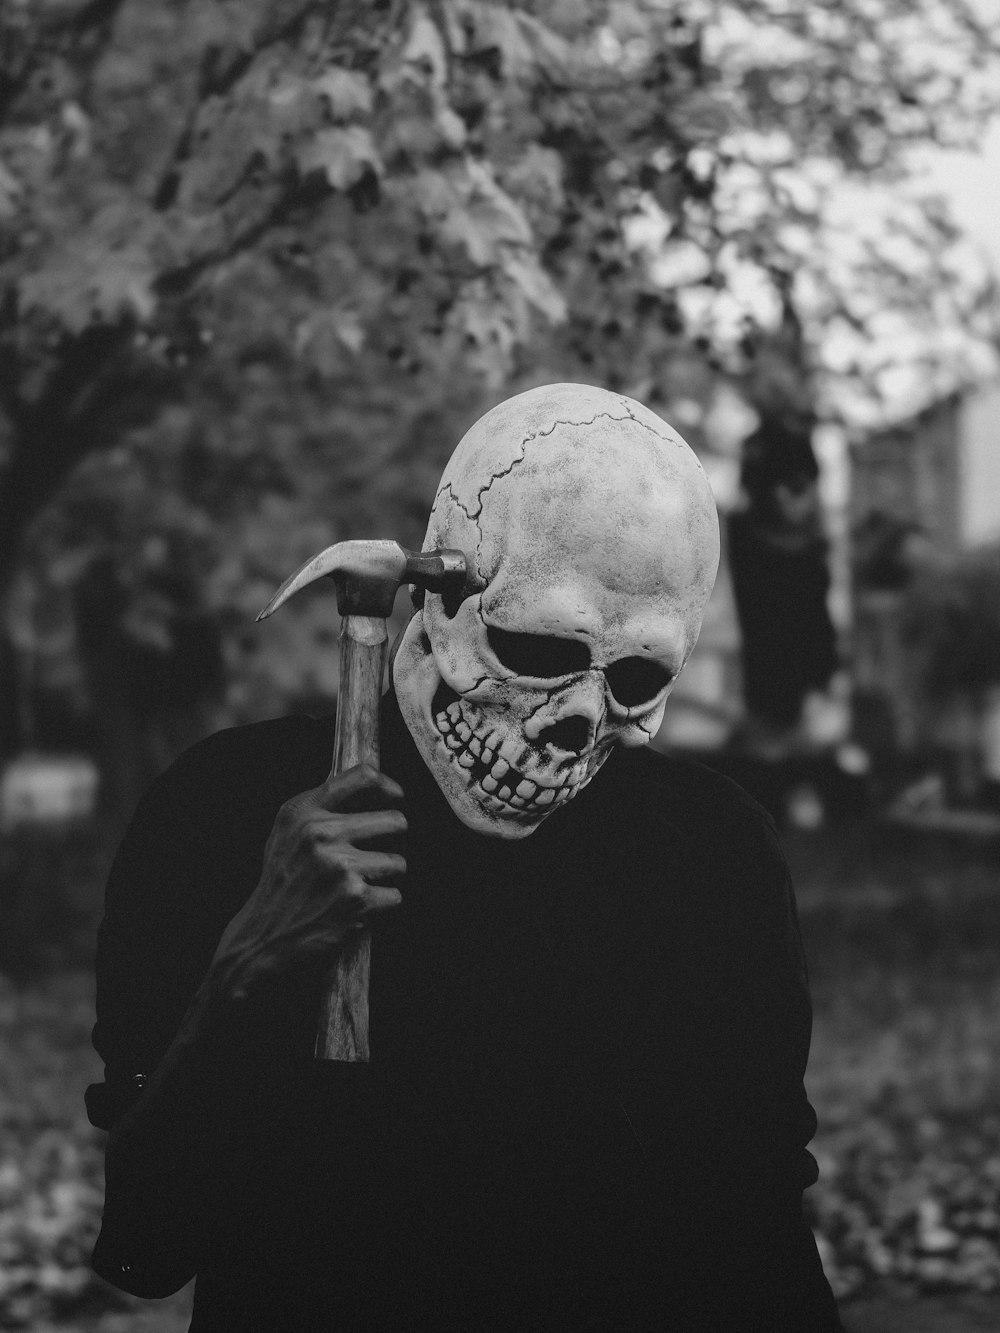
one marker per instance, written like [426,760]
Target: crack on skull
[549,692]
[455,500]
[475,516]
[504,472]
[537,435]
[480,680]
[449,490]
[671,438]
[589,422]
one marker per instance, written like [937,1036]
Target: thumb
[312,799]
[363,787]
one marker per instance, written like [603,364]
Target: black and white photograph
[500,666]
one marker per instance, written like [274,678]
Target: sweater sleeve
[190,858]
[154,946]
[157,934]
[778,1121]
[178,1066]
[795,1290]
[735,1048]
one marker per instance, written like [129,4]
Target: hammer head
[367,575]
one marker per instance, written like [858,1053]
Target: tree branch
[296,194]
[98,389]
[216,81]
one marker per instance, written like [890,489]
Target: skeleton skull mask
[593,544]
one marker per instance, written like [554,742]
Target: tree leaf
[537,286]
[343,155]
[348,92]
[425,47]
[487,220]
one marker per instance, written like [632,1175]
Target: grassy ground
[904,951]
[51,1169]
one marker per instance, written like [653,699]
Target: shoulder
[191,852]
[286,739]
[692,834]
[216,803]
[189,859]
[247,764]
[688,780]
[649,788]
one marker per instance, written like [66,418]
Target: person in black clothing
[779,560]
[584,1108]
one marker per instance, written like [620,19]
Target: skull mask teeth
[593,542]
[476,747]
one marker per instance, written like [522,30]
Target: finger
[364,902]
[367,828]
[383,867]
[362,787]
[371,867]
[380,899]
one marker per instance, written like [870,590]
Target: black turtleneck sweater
[585,1104]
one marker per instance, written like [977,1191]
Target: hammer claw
[368,574]
[363,559]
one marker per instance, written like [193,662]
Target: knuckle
[314,831]
[325,832]
[312,845]
[287,812]
[355,891]
[298,805]
[335,860]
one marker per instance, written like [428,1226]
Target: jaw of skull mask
[593,543]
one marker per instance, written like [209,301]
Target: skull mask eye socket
[632,680]
[636,680]
[543,656]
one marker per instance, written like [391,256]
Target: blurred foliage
[51,1165]
[262,261]
[903,943]
[910,1202]
[51,889]
[903,1073]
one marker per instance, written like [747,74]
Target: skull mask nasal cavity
[571,735]
[592,541]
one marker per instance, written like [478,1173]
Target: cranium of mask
[593,543]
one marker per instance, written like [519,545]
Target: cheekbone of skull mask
[593,541]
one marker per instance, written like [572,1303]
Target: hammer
[367,575]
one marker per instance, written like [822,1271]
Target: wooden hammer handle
[343,1024]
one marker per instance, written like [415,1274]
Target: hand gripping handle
[367,576]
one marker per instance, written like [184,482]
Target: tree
[270,255]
